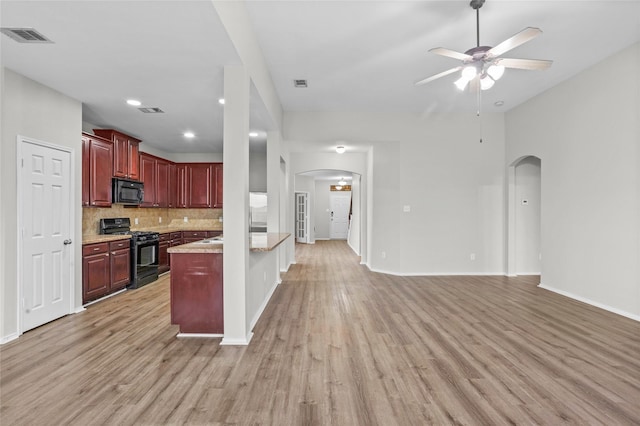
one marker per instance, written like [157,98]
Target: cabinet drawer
[211,234]
[194,234]
[90,249]
[176,235]
[165,237]
[117,245]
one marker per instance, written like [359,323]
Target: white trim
[79,309]
[435,274]
[262,307]
[236,342]
[323,239]
[102,298]
[9,338]
[353,249]
[200,335]
[591,302]
[20,140]
[527,273]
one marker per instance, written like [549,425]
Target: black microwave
[125,191]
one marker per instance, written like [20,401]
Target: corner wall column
[236,202]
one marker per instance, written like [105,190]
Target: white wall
[257,171]
[452,183]
[35,111]
[586,132]
[354,226]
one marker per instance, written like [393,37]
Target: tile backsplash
[147,217]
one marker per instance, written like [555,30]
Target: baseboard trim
[200,335]
[104,298]
[8,338]
[590,302]
[236,342]
[263,306]
[436,274]
[79,309]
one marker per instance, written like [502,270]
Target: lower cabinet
[196,292]
[105,268]
[163,256]
[193,236]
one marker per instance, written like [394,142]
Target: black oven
[144,258]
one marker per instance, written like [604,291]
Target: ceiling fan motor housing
[476,4]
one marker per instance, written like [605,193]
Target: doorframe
[511,216]
[20,141]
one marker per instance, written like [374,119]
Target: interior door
[340,206]
[301,217]
[46,225]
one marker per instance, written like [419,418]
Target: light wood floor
[336,345]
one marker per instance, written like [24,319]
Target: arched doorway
[524,225]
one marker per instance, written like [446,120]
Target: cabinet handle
[96,248]
[113,253]
[106,255]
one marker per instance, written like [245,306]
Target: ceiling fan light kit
[483,63]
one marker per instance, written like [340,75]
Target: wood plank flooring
[336,345]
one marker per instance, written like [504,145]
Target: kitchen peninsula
[197,282]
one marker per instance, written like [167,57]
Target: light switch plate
[406,209]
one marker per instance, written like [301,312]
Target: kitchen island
[197,282]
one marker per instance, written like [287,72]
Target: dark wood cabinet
[172,185]
[217,185]
[200,185]
[95,271]
[120,263]
[193,236]
[163,256]
[197,292]
[154,173]
[106,268]
[181,184]
[125,156]
[97,170]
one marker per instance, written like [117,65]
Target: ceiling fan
[483,65]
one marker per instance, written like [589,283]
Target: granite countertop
[260,241]
[174,228]
[93,239]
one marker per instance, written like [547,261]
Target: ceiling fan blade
[522,37]
[437,76]
[451,53]
[524,64]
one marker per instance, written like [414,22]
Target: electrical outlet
[135,221]
[220,218]
[384,254]
[185,219]
[265,277]
[472,256]
[159,219]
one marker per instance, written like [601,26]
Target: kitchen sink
[215,240]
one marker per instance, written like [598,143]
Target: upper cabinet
[126,163]
[154,172]
[97,169]
[217,174]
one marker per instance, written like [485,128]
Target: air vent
[25,35]
[300,83]
[151,110]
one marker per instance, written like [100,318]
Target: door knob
[66,242]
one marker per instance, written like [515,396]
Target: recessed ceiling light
[221,101]
[134,102]
[499,103]
[340,149]
[253,134]
[189,135]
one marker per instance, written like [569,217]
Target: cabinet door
[95,276]
[120,155]
[86,172]
[162,183]
[181,184]
[217,171]
[120,268]
[101,171]
[200,185]
[173,185]
[148,177]
[163,257]
[134,159]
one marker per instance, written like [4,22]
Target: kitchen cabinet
[196,292]
[154,173]
[97,169]
[163,256]
[126,163]
[200,177]
[192,236]
[105,268]
[217,185]
[173,185]
[181,184]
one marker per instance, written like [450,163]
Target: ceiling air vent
[151,110]
[300,83]
[25,35]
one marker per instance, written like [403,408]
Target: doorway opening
[525,217]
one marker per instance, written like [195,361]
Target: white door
[46,218]
[302,217]
[340,206]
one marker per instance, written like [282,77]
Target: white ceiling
[356,55]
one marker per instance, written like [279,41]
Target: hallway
[337,344]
